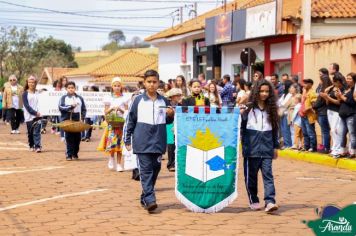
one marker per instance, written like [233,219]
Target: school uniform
[33,123]
[76,113]
[258,144]
[146,125]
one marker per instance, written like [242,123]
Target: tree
[112,47]
[4,49]
[117,36]
[20,60]
[136,42]
[44,46]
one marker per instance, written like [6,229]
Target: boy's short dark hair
[275,75]
[285,74]
[227,77]
[151,73]
[70,83]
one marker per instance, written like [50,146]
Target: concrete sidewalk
[318,158]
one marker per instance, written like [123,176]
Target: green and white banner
[206,158]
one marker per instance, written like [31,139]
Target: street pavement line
[7,172]
[13,148]
[51,199]
[13,144]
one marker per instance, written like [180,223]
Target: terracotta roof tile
[333,8]
[122,63]
[125,80]
[330,39]
[51,74]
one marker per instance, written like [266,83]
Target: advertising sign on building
[261,20]
[223,28]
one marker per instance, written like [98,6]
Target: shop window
[282,67]
[202,64]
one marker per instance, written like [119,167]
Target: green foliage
[22,53]
[117,36]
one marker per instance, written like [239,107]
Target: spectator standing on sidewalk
[12,101]
[227,94]
[308,116]
[320,107]
[336,125]
[347,112]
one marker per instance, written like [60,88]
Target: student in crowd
[160,89]
[308,116]
[241,87]
[278,86]
[347,111]
[63,81]
[72,106]
[285,102]
[12,102]
[259,143]
[294,91]
[213,96]
[197,97]
[110,142]
[257,76]
[182,84]
[146,125]
[86,135]
[284,78]
[32,115]
[296,122]
[320,107]
[203,81]
[175,99]
[227,94]
[167,87]
[335,122]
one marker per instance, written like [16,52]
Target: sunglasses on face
[11,80]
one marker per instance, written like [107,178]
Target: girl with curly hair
[260,142]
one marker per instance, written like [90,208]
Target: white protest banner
[94,101]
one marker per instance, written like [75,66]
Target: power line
[94,11]
[78,24]
[165,1]
[85,15]
[81,27]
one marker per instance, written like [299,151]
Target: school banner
[49,101]
[206,158]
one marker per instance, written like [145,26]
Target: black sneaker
[151,206]
[75,157]
[68,158]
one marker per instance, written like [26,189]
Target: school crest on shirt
[206,158]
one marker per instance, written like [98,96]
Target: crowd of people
[282,113]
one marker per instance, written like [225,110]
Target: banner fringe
[216,208]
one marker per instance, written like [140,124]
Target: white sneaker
[17,131]
[119,168]
[13,131]
[63,139]
[111,163]
[271,207]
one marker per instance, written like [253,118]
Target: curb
[318,158]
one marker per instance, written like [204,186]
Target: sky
[87,23]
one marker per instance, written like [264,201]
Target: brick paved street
[85,198]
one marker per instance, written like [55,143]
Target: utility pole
[181,14]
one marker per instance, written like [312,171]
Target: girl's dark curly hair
[271,104]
